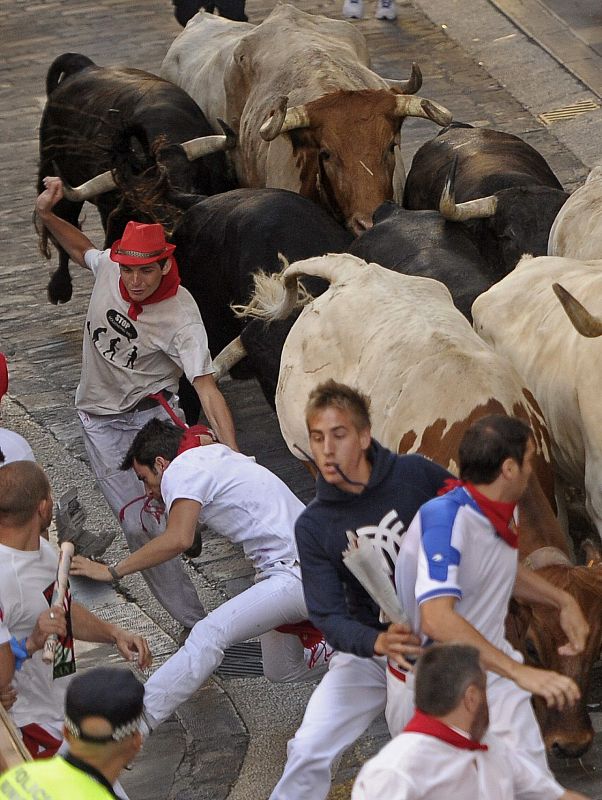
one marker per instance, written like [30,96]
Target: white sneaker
[385,9]
[354,9]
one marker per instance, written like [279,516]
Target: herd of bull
[312,133]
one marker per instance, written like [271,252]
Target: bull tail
[274,296]
[64,66]
[277,296]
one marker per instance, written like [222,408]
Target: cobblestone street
[229,741]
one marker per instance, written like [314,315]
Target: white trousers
[107,439]
[511,716]
[349,697]
[275,599]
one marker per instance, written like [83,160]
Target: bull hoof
[59,291]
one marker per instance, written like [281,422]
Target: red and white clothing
[24,576]
[125,360]
[250,506]
[452,549]
[431,761]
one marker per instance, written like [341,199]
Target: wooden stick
[58,595]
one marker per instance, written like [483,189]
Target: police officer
[103,711]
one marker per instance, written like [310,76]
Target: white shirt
[14,447]
[241,500]
[458,555]
[125,360]
[416,766]
[24,575]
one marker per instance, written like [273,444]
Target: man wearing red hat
[13,447]
[143,330]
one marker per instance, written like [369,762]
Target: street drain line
[567,112]
[242,661]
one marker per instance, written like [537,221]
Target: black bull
[84,132]
[223,240]
[519,192]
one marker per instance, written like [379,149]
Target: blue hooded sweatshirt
[337,603]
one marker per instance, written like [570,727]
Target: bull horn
[584,322]
[205,145]
[461,212]
[229,356]
[284,119]
[420,107]
[101,184]
[410,86]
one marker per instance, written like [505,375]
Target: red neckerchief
[499,514]
[431,726]
[192,433]
[192,438]
[167,288]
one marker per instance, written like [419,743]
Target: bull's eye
[324,155]
[531,651]
[392,147]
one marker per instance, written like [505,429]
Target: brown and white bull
[310,114]
[577,230]
[400,340]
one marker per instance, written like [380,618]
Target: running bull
[400,340]
[310,114]
[85,133]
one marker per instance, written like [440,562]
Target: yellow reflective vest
[51,779]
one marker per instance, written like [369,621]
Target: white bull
[522,319]
[577,229]
[401,341]
[310,114]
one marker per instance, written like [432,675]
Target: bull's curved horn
[205,145]
[284,119]
[98,185]
[583,322]
[480,208]
[229,356]
[412,85]
[420,107]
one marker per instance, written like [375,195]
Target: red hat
[141,244]
[3,376]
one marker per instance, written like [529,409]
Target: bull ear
[517,623]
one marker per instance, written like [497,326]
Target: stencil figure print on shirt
[386,537]
[111,347]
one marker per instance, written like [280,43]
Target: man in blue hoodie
[364,488]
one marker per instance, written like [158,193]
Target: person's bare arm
[532,588]
[177,537]
[7,665]
[90,628]
[69,237]
[216,409]
[441,622]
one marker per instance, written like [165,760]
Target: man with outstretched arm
[456,572]
[143,330]
[368,490]
[446,751]
[28,565]
[248,505]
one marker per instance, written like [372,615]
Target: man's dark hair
[23,486]
[330,393]
[488,443]
[443,673]
[157,438]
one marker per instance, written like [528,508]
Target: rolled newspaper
[364,561]
[58,595]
